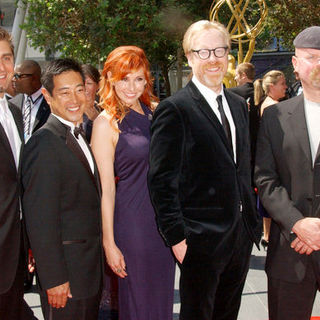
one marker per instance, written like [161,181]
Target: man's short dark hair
[248,69]
[5,36]
[55,68]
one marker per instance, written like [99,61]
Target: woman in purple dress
[120,142]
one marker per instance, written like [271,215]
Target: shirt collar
[66,122]
[34,96]
[311,103]
[205,91]
[4,105]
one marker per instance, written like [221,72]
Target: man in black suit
[245,74]
[62,201]
[12,250]
[199,180]
[34,108]
[288,179]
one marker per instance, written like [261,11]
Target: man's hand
[300,247]
[31,262]
[58,296]
[179,250]
[308,232]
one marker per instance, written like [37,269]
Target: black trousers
[211,289]
[79,309]
[12,304]
[292,301]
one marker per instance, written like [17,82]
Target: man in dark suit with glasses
[200,182]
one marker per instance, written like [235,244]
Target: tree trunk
[164,71]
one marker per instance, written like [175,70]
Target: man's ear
[294,62]
[46,95]
[189,58]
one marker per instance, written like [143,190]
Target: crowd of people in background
[99,180]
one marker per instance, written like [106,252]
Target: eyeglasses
[22,75]
[205,54]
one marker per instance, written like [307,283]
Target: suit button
[212,191]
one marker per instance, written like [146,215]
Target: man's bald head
[27,77]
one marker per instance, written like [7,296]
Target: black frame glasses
[205,54]
[22,75]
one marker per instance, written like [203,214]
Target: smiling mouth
[213,69]
[74,109]
[130,95]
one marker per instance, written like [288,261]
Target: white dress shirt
[312,112]
[11,130]
[211,98]
[80,141]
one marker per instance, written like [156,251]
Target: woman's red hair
[120,62]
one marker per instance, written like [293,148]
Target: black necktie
[78,130]
[225,122]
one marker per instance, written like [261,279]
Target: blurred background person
[296,88]
[120,142]
[244,76]
[268,91]
[29,99]
[92,109]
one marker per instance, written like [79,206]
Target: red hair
[120,62]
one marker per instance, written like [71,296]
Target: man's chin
[214,81]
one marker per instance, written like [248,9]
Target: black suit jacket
[61,203]
[284,176]
[247,92]
[10,224]
[196,187]
[42,114]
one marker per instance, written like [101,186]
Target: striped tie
[27,116]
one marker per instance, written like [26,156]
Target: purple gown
[147,292]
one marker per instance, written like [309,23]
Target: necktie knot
[219,101]
[78,130]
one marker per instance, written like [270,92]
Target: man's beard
[215,79]
[315,76]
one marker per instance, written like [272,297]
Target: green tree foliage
[89,30]
[288,17]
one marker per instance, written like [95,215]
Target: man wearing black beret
[287,174]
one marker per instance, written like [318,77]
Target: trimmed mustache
[214,65]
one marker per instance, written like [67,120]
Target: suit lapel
[6,143]
[298,124]
[41,115]
[96,172]
[17,116]
[74,146]
[18,101]
[209,113]
[236,118]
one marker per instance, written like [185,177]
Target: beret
[308,38]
